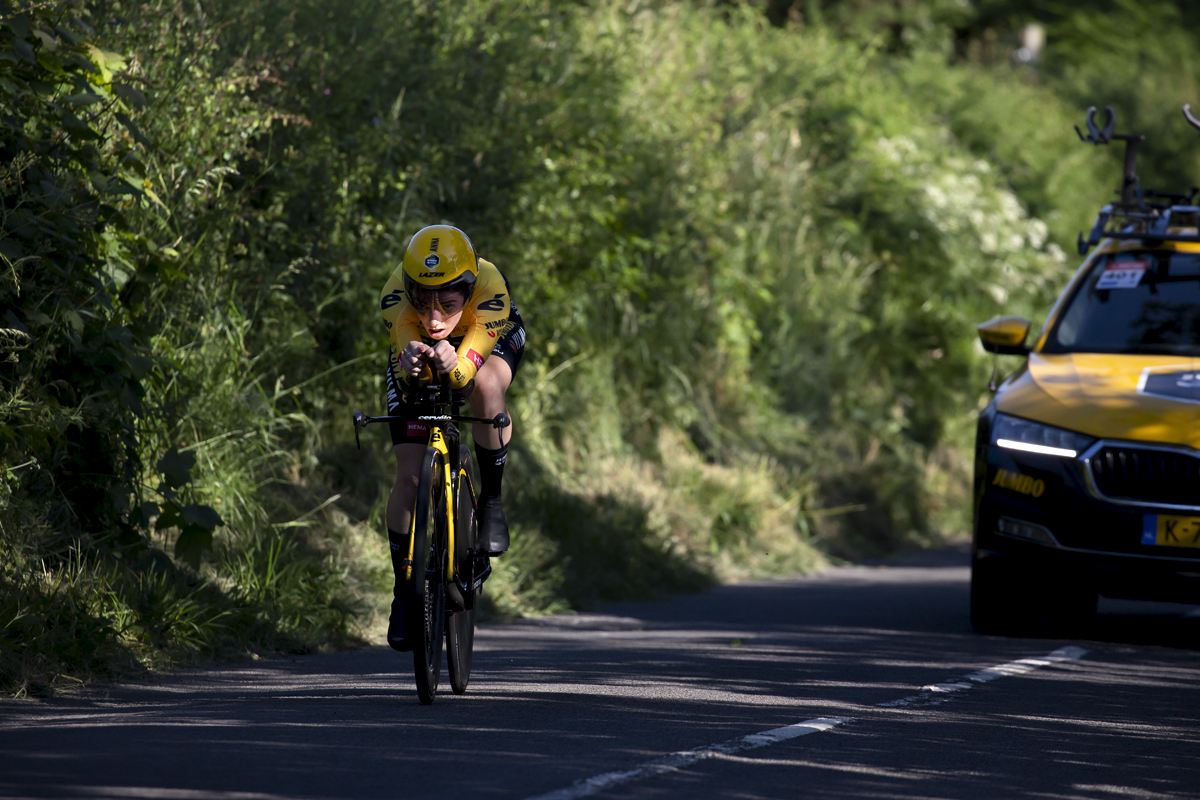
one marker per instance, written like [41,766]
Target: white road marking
[1027,664]
[675,761]
[933,695]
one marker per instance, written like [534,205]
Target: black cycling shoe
[395,634]
[493,527]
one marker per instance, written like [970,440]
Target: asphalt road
[611,696]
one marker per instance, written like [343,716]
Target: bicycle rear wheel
[460,626]
[429,570]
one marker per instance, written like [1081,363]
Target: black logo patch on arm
[495,304]
[391,299]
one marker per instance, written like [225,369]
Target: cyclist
[447,309]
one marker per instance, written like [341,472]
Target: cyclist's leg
[491,451]
[487,400]
[408,443]
[399,523]
[491,446]
[404,491]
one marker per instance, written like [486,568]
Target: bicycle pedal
[482,575]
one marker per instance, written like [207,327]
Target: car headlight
[1013,433]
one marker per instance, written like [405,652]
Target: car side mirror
[1005,336]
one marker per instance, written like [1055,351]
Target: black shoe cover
[493,527]
[395,634]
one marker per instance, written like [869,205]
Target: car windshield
[1143,301]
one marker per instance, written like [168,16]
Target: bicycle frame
[441,424]
[437,440]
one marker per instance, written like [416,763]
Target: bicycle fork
[438,442]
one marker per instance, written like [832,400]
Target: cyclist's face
[437,324]
[439,311]
[449,301]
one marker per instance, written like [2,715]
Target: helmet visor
[449,301]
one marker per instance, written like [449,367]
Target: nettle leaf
[96,57]
[133,129]
[75,125]
[23,49]
[139,366]
[83,99]
[142,515]
[170,517]
[21,25]
[191,544]
[176,467]
[130,95]
[48,41]
[190,516]
[205,517]
[78,60]
[196,525]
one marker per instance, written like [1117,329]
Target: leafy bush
[95,482]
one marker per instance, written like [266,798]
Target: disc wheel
[460,626]
[429,565]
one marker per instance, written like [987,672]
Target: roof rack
[1145,214]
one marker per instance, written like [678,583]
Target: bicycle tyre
[429,569]
[460,625]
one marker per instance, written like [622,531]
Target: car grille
[1149,476]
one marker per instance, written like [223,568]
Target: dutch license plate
[1163,530]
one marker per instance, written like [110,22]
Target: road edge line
[1007,670]
[674,761]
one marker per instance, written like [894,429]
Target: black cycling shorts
[510,346]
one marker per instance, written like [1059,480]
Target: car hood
[1144,398]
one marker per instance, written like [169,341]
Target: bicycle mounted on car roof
[1137,215]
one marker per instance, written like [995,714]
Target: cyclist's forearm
[476,346]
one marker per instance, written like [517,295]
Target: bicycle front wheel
[429,570]
[460,626]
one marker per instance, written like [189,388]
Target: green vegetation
[750,242]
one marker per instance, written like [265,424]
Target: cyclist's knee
[489,391]
[408,460]
[406,483]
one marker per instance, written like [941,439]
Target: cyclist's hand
[413,357]
[444,356]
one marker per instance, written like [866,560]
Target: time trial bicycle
[444,570]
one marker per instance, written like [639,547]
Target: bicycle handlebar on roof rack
[1135,216]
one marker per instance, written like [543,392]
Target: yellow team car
[1087,461]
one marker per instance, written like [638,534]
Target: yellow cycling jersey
[483,320]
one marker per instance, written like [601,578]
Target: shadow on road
[924,591]
[560,698]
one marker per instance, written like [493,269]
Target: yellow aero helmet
[439,258]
